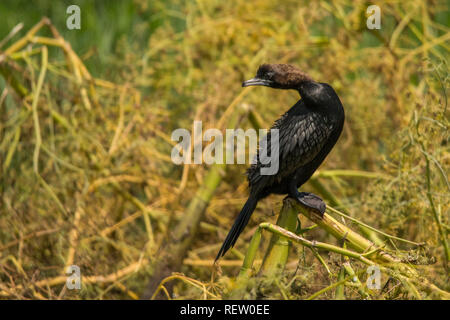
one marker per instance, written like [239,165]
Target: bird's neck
[321,98]
[310,91]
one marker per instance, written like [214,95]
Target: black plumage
[307,133]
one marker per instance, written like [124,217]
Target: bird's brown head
[280,76]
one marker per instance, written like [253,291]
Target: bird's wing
[301,137]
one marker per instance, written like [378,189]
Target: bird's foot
[312,201]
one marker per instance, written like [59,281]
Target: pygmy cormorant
[307,133]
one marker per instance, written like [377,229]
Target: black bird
[307,133]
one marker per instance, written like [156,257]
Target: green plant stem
[249,258]
[277,253]
[339,294]
[349,270]
[372,228]
[442,231]
[336,203]
[315,244]
[342,232]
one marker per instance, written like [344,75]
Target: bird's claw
[312,201]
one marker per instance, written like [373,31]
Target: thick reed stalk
[336,203]
[342,232]
[277,253]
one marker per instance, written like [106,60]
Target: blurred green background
[108,26]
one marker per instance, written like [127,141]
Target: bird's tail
[238,225]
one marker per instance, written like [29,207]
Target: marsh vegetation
[87,178]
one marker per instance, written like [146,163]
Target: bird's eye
[270,74]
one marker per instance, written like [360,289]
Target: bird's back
[303,135]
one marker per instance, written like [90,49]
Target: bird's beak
[257,82]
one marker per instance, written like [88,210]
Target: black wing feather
[301,138]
